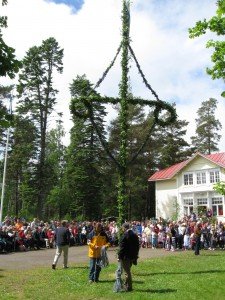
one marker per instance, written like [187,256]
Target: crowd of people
[17,234]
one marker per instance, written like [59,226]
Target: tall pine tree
[85,155]
[207,128]
[56,203]
[20,168]
[37,101]
[170,143]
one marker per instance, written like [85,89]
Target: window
[202,201]
[217,206]
[214,176]
[188,179]
[188,201]
[201,177]
[188,210]
[188,206]
[202,206]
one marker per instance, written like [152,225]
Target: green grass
[181,276]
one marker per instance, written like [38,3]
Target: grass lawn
[182,276]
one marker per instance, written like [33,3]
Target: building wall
[199,163]
[166,198]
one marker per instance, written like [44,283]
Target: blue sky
[89,31]
[75,4]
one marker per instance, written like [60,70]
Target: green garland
[159,107]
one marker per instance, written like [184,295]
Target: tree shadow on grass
[179,273]
[156,291]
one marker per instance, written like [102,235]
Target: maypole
[123,114]
[157,105]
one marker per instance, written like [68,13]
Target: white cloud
[173,64]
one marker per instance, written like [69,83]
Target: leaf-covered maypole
[124,101]
[123,114]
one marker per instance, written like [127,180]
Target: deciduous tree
[216,25]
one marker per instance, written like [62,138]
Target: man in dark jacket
[62,239]
[128,253]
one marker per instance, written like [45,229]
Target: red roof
[168,173]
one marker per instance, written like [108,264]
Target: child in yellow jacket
[97,239]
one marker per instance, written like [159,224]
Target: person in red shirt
[51,237]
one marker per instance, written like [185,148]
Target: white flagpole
[5,164]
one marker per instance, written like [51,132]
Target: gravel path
[44,257]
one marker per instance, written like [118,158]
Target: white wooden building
[187,187]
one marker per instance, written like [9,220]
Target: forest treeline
[47,179]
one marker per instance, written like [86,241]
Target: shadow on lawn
[79,267]
[179,273]
[106,281]
[159,291]
[113,280]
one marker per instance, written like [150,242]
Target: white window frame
[200,177]
[216,203]
[188,205]
[214,176]
[188,201]
[202,201]
[187,178]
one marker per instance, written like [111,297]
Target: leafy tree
[217,25]
[85,153]
[5,115]
[219,187]
[37,98]
[9,65]
[207,137]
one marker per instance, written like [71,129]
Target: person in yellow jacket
[96,239]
